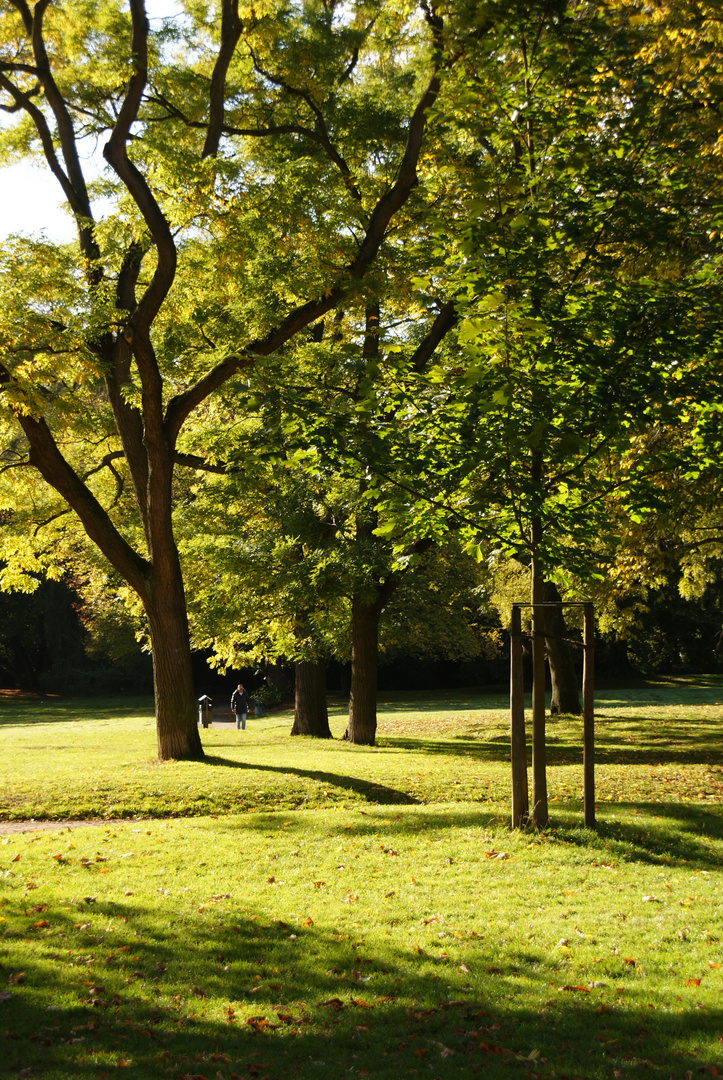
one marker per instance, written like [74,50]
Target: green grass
[95,758]
[373,932]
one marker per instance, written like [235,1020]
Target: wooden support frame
[518,749]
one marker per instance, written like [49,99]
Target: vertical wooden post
[518,748]
[588,716]
[540,816]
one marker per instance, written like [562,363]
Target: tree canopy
[461,263]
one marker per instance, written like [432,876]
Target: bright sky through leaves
[31,201]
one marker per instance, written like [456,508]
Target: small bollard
[205,705]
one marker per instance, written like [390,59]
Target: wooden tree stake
[518,752]
[588,716]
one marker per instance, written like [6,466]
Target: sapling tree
[586,287]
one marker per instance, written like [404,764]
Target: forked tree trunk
[176,713]
[311,716]
[362,726]
[565,689]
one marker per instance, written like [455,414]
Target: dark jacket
[240,701]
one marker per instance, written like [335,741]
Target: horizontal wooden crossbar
[554,637]
[556,603]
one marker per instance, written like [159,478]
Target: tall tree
[91,353]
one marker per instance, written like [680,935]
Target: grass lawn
[363,912]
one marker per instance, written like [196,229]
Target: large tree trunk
[311,716]
[565,688]
[176,712]
[362,726]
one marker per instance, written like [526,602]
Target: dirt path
[8,827]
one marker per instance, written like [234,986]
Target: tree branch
[193,461]
[390,203]
[115,153]
[231,27]
[46,457]
[72,179]
[446,319]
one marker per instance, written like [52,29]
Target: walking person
[240,702]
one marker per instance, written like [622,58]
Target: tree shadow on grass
[707,750]
[366,789]
[245,996]
[639,841]
[627,840]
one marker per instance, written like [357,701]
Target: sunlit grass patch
[653,744]
[376,940]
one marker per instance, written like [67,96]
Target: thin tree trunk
[565,688]
[311,716]
[362,726]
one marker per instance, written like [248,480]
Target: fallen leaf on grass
[260,1023]
[308,921]
[490,1048]
[496,855]
[12,979]
[711,964]
[358,1001]
[568,986]
[16,858]
[464,968]
[650,900]
[692,982]
[631,961]
[198,992]
[333,1003]
[40,925]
